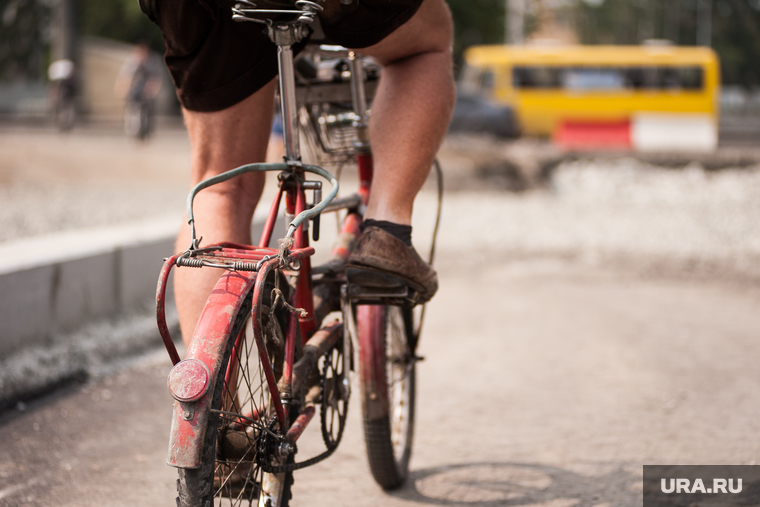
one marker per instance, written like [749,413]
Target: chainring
[335,393]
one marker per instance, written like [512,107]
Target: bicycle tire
[214,483]
[133,120]
[387,378]
[144,126]
[65,115]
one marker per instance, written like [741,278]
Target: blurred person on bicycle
[224,73]
[139,82]
[63,90]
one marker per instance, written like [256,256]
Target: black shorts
[217,62]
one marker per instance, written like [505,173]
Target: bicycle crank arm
[317,346]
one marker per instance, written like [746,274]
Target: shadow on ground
[522,484]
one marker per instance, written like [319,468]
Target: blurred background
[98,39]
[599,256]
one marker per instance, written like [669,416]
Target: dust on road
[545,383]
[580,332]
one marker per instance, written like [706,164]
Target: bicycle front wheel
[388,390]
[240,430]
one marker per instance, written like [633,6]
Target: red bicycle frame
[212,334]
[248,267]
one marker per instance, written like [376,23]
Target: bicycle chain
[280,469]
[296,466]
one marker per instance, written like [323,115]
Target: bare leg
[411,110]
[221,141]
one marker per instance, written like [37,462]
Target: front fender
[209,342]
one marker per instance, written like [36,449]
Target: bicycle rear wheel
[388,390]
[234,446]
[65,115]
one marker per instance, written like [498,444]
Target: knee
[434,28]
[443,34]
[429,31]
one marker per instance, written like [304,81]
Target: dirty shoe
[382,260]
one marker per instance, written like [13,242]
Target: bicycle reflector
[188,380]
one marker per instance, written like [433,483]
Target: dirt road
[579,333]
[544,383]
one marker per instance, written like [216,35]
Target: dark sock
[402,232]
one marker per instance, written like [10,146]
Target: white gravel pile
[602,209]
[35,208]
[596,210]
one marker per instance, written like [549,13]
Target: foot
[381,260]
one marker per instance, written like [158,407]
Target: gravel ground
[600,210]
[589,370]
[51,182]
[31,209]
[544,384]
[597,210]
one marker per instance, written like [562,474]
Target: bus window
[602,78]
[634,77]
[651,78]
[662,78]
[537,77]
[691,78]
[591,78]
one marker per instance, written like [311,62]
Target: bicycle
[64,104]
[138,118]
[62,76]
[262,359]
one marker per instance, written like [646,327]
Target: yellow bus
[568,92]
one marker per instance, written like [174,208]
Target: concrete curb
[53,284]
[73,301]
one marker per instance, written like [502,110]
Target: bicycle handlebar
[248,168]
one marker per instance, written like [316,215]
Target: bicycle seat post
[284,36]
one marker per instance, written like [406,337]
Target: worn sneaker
[382,260]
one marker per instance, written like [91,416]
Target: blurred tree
[24,37]
[609,21]
[26,29]
[476,22]
[734,32]
[736,38]
[120,20]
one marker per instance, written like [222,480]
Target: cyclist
[224,75]
[63,90]
[139,82]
